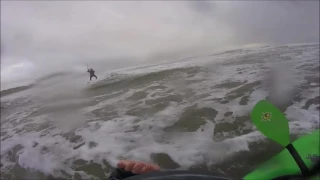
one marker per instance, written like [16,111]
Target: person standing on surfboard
[91,72]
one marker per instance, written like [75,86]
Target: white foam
[301,120]
[138,137]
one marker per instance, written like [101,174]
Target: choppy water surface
[184,115]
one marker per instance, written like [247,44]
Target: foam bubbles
[176,118]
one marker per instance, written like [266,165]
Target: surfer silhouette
[91,72]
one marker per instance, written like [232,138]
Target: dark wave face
[53,75]
[15,90]
[35,83]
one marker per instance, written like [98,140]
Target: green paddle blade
[271,122]
[284,164]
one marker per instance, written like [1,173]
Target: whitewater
[187,114]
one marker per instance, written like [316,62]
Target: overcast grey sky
[48,33]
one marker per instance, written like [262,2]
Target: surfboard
[93,80]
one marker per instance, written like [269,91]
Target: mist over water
[58,36]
